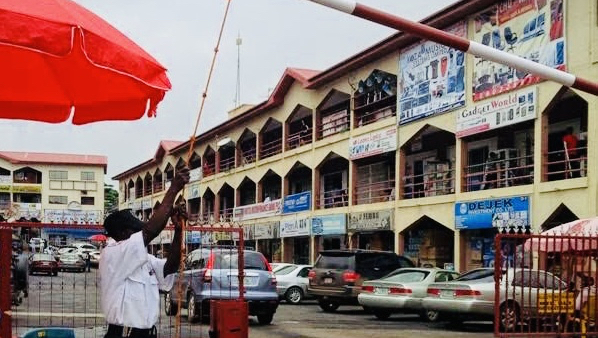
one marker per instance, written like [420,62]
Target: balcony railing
[271,148]
[209,169]
[333,199]
[226,215]
[138,193]
[300,138]
[333,126]
[147,190]
[561,164]
[207,218]
[374,192]
[158,186]
[510,172]
[434,183]
[248,156]
[227,164]
[5,205]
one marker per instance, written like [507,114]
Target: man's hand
[181,178]
[179,214]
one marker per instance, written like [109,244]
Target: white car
[95,258]
[292,282]
[84,248]
[277,266]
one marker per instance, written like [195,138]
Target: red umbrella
[56,56]
[98,238]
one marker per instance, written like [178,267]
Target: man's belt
[123,331]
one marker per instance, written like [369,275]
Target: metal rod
[462,44]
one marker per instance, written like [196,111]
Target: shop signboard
[297,202]
[29,188]
[370,221]
[498,112]
[72,216]
[374,143]
[193,191]
[507,212]
[193,237]
[531,29]
[258,210]
[5,179]
[164,238]
[266,230]
[81,234]
[329,225]
[295,226]
[195,174]
[146,204]
[248,233]
[432,78]
[5,187]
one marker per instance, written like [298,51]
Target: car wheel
[294,295]
[55,273]
[265,319]
[430,315]
[327,305]
[191,309]
[170,308]
[382,314]
[509,317]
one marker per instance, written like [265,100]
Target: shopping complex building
[407,146]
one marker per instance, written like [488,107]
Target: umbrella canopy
[57,57]
[98,238]
[579,235]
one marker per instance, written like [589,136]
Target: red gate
[545,285]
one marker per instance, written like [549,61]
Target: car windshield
[285,270]
[335,261]
[407,276]
[477,274]
[42,257]
[253,261]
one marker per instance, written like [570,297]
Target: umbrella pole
[462,44]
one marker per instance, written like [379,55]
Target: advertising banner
[329,225]
[498,112]
[136,205]
[371,144]
[297,202]
[266,230]
[293,227]
[27,188]
[532,29]
[431,78]
[146,204]
[193,191]
[195,174]
[258,210]
[510,212]
[370,221]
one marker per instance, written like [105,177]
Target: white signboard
[195,174]
[371,144]
[258,210]
[498,112]
[146,204]
[293,227]
[5,179]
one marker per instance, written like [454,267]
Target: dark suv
[338,274]
[212,274]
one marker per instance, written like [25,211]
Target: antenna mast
[238,90]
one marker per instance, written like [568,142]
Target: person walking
[88,261]
[130,278]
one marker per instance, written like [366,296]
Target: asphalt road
[72,300]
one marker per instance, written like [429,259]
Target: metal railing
[563,164]
[333,126]
[271,148]
[248,156]
[332,199]
[139,192]
[227,164]
[158,186]
[147,190]
[434,183]
[500,173]
[374,192]
[363,119]
[226,215]
[299,138]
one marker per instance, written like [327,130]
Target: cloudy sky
[182,34]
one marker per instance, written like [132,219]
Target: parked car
[212,274]
[337,275]
[292,282]
[276,266]
[402,291]
[43,263]
[71,261]
[95,258]
[82,249]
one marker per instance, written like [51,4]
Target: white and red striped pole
[462,44]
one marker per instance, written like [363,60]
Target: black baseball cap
[120,220]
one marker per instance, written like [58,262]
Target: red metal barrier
[545,285]
[5,283]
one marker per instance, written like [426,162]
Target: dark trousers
[116,331]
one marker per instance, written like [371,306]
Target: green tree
[110,199]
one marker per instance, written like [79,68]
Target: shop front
[295,231]
[428,244]
[371,230]
[267,240]
[480,221]
[329,232]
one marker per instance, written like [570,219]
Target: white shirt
[129,281]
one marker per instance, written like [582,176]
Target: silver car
[292,282]
[402,291]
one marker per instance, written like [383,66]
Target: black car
[338,274]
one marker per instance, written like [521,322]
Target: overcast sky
[182,34]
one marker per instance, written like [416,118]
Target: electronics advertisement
[508,212]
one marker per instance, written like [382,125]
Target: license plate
[247,281]
[447,293]
[327,280]
[381,291]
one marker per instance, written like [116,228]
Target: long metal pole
[462,44]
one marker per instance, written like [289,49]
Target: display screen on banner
[510,212]
[297,202]
[293,227]
[431,78]
[371,144]
[498,112]
[532,29]
[266,230]
[329,225]
[370,221]
[258,210]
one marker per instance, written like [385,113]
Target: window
[88,176]
[57,199]
[286,270]
[59,175]
[87,201]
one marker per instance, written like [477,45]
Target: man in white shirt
[130,278]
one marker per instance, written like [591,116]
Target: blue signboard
[329,225]
[74,233]
[297,202]
[508,212]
